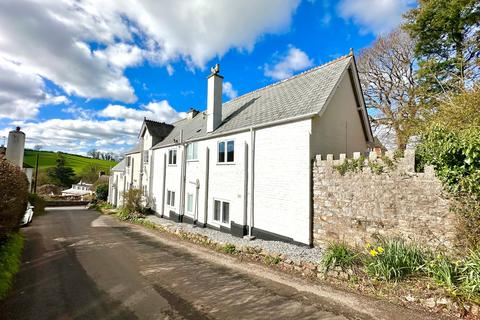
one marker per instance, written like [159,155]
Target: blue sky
[78,75]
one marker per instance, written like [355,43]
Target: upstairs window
[145,156]
[192,153]
[129,161]
[172,156]
[226,151]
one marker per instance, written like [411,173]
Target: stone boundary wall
[357,206]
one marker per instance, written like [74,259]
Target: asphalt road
[79,264]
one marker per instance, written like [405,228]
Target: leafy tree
[451,143]
[447,35]
[60,174]
[387,74]
[102,192]
[38,147]
[90,173]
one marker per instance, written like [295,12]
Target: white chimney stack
[214,99]
[15,147]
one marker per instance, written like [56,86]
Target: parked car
[27,217]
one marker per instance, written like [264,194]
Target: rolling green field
[48,159]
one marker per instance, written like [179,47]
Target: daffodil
[380,249]
[373,252]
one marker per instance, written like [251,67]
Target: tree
[447,38]
[388,78]
[60,174]
[38,147]
[90,173]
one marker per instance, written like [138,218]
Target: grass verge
[10,259]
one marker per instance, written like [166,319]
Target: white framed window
[172,156]
[145,156]
[129,161]
[221,211]
[192,151]
[171,198]
[189,202]
[226,151]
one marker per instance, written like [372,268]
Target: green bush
[13,196]
[455,157]
[394,259]
[229,248]
[10,259]
[339,254]
[444,272]
[38,204]
[470,276]
[133,200]
[101,192]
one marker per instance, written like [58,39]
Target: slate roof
[119,167]
[135,149]
[303,94]
[158,129]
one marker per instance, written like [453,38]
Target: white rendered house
[244,166]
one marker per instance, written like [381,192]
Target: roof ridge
[154,121]
[294,76]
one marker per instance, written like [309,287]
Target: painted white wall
[226,180]
[135,178]
[117,187]
[282,180]
[339,128]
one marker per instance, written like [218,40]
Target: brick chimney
[214,99]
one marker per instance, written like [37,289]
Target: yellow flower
[368,245]
[380,249]
[373,252]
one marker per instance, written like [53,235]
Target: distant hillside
[48,159]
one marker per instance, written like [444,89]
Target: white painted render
[132,172]
[282,180]
[277,180]
[339,128]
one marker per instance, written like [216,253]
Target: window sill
[172,165]
[193,160]
[226,163]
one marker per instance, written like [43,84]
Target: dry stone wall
[357,206]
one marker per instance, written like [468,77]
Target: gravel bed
[290,251]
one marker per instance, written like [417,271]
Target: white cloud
[158,111]
[228,90]
[79,135]
[170,70]
[375,16]
[84,46]
[22,92]
[292,61]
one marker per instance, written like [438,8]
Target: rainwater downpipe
[252,182]
[183,175]
[164,174]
